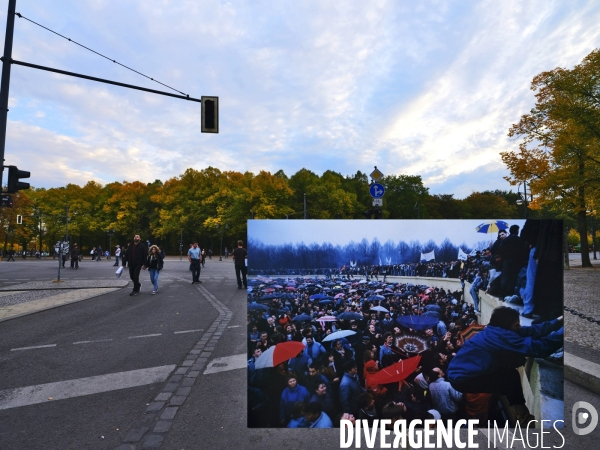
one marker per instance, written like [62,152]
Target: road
[102,373]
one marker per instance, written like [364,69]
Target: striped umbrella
[275,355]
[492,226]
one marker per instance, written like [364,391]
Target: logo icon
[580,417]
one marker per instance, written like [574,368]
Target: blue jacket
[289,397]
[322,422]
[495,348]
[349,390]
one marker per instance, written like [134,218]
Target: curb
[582,372]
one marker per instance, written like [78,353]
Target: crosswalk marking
[227,363]
[41,393]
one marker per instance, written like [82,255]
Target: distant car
[577,248]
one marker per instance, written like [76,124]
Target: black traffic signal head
[377,213]
[14,175]
[210,115]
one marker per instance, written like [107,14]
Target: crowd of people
[330,378]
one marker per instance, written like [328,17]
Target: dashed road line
[32,348]
[92,342]
[145,336]
[186,331]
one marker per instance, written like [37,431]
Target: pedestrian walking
[203,258]
[154,263]
[239,258]
[117,255]
[75,256]
[136,255]
[194,259]
[99,253]
[11,255]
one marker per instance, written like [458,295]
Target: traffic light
[14,175]
[377,213]
[19,219]
[210,114]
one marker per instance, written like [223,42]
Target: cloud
[428,88]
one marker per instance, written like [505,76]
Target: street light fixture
[221,249]
[110,235]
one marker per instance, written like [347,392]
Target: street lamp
[221,249]
[524,198]
[592,214]
[110,235]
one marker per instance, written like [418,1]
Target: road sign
[377,190]
[377,202]
[376,174]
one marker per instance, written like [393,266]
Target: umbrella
[257,307]
[291,288]
[376,297]
[278,286]
[396,372]
[379,308]
[350,316]
[491,227]
[301,318]
[269,290]
[411,344]
[470,331]
[377,291]
[279,353]
[338,335]
[325,302]
[327,319]
[317,296]
[417,322]
[339,295]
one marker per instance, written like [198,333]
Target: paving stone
[205,354]
[193,374]
[162,426]
[169,413]
[181,371]
[171,387]
[163,396]
[198,366]
[145,420]
[153,441]
[195,352]
[183,391]
[126,447]
[218,333]
[155,406]
[136,434]
[187,363]
[188,382]
[178,400]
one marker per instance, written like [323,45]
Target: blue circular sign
[377,190]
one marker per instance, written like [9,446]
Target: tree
[559,153]
[402,194]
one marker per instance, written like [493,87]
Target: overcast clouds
[426,88]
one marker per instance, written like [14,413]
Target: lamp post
[592,214]
[110,233]
[524,198]
[221,248]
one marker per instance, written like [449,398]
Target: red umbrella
[279,353]
[396,372]
[291,288]
[269,290]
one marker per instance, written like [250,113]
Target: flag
[462,255]
[428,256]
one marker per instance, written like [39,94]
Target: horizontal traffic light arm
[102,80]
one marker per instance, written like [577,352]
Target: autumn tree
[559,152]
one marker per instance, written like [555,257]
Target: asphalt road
[114,348]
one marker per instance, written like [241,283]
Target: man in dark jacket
[487,363]
[136,255]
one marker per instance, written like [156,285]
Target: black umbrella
[301,318]
[350,316]
[257,307]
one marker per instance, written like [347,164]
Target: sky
[425,88]
[342,232]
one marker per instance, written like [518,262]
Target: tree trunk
[583,239]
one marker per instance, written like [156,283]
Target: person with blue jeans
[154,264]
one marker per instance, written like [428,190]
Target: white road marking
[227,363]
[145,336]
[91,342]
[31,348]
[234,326]
[186,331]
[41,393]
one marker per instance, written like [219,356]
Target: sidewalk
[28,298]
[582,343]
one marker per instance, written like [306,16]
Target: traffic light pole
[5,83]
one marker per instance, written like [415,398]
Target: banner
[462,255]
[428,256]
